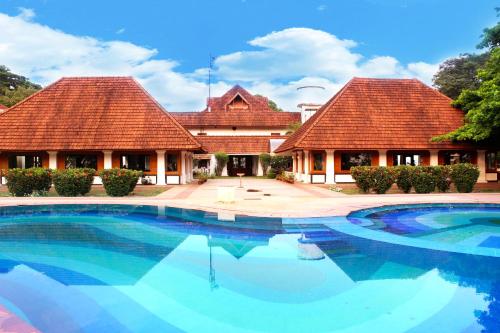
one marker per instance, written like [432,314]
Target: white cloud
[280,62]
[321,8]
[120,31]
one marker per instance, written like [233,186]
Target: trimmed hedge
[26,182]
[403,174]
[442,176]
[423,182]
[381,179]
[73,182]
[119,182]
[361,174]
[464,176]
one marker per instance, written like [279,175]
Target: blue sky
[271,47]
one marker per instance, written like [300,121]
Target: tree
[222,158]
[482,105]
[491,36]
[265,162]
[272,104]
[293,127]
[14,88]
[457,74]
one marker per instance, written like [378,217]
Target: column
[160,167]
[108,160]
[183,167]
[307,177]
[299,166]
[260,171]
[330,166]
[213,163]
[1,177]
[52,159]
[481,164]
[382,158]
[434,158]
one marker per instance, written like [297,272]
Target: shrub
[423,181]
[202,178]
[381,179]
[403,175]
[280,163]
[286,177]
[464,176]
[361,174]
[271,174]
[222,159]
[265,162]
[442,177]
[73,182]
[119,182]
[25,182]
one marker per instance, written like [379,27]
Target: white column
[299,167]
[190,164]
[108,160]
[306,178]
[434,158]
[213,163]
[260,171]
[183,167]
[330,166]
[481,164]
[160,167]
[382,157]
[52,159]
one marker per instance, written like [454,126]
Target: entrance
[239,164]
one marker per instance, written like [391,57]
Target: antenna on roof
[210,65]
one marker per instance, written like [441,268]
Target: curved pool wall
[114,268]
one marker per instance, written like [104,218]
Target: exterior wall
[61,158]
[116,156]
[242,131]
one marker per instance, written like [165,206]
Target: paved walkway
[268,198]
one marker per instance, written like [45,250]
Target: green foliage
[442,177]
[491,36]
[457,74]
[222,159]
[14,88]
[265,162]
[26,182]
[119,182]
[286,177]
[271,174]
[464,176]
[73,182]
[280,163]
[403,175]
[293,127]
[423,182]
[272,104]
[381,179]
[361,175]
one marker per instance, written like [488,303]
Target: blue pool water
[116,268]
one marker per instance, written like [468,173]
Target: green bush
[73,182]
[119,182]
[265,162]
[423,181]
[381,179]
[271,174]
[403,174]
[442,177]
[280,163]
[26,182]
[464,176]
[222,159]
[362,176]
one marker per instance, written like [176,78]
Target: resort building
[240,124]
[100,123]
[381,122]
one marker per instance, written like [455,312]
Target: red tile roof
[3,108]
[92,113]
[236,144]
[379,114]
[256,113]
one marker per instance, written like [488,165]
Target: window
[456,157]
[172,162]
[81,161]
[25,161]
[491,162]
[407,159]
[318,161]
[348,160]
[135,162]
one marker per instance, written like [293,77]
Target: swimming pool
[116,268]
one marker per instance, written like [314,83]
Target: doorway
[239,164]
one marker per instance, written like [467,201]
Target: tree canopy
[491,36]
[14,88]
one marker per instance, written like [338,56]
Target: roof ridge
[435,91]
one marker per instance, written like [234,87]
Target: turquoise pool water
[115,268]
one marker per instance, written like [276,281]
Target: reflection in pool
[112,268]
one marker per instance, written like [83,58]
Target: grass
[98,191]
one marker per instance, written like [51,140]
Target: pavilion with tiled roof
[240,124]
[380,122]
[99,122]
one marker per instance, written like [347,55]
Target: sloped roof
[379,113]
[236,144]
[92,113]
[3,108]
[258,114]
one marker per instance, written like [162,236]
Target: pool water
[116,268]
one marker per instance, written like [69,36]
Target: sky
[269,47]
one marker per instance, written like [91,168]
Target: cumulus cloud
[279,63]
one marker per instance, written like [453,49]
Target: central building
[240,124]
